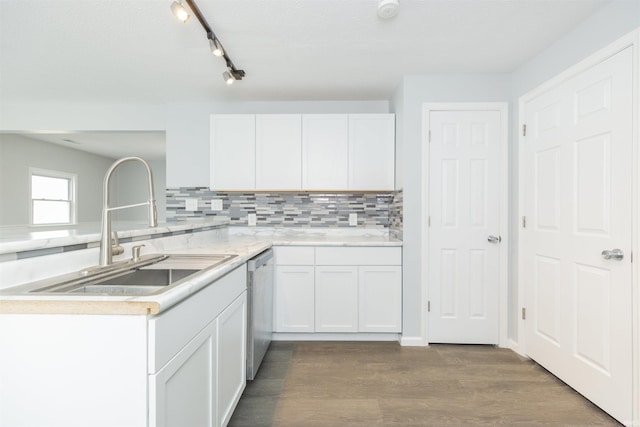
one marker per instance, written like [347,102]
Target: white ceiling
[135,51]
[148,145]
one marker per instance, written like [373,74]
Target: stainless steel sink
[152,274]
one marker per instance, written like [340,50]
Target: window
[52,197]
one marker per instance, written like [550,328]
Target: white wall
[188,131]
[407,103]
[19,153]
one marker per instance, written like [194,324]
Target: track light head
[216,49]
[180,11]
[228,78]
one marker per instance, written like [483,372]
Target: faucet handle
[116,249]
[135,252]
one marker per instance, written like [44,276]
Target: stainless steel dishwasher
[260,309]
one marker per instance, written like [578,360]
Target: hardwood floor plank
[306,384]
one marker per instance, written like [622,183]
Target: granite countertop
[242,241]
[21,239]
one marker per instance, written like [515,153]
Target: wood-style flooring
[383,384]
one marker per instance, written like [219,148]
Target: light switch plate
[251,219]
[216,205]
[190,204]
[353,219]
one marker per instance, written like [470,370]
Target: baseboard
[283,336]
[413,342]
[513,345]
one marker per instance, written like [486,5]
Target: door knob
[494,239]
[616,254]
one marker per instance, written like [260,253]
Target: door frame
[503,109]
[629,40]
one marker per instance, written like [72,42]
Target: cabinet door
[183,392]
[294,299]
[380,299]
[279,152]
[325,152]
[336,299]
[371,151]
[232,357]
[233,156]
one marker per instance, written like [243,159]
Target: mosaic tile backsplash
[395,215]
[288,209]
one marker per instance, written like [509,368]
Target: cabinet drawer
[358,256]
[294,255]
[172,330]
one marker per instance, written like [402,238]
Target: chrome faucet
[107,249]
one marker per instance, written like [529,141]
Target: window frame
[73,186]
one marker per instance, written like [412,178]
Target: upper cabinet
[279,151]
[233,153]
[325,142]
[335,152]
[371,151]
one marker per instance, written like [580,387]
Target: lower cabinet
[202,384]
[232,357]
[184,391]
[294,306]
[336,299]
[341,289]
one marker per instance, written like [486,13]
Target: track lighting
[179,11]
[216,49]
[228,78]
[232,74]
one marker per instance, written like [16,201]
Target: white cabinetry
[336,299]
[325,151]
[294,290]
[183,391]
[338,289]
[278,151]
[371,151]
[233,152]
[184,367]
[380,298]
[302,151]
[232,358]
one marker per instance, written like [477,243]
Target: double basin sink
[149,275]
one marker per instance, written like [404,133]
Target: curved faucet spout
[107,250]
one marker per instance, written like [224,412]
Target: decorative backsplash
[395,215]
[286,209]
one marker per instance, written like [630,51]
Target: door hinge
[428,306]
[524,222]
[631,256]
[524,130]
[429,221]
[524,313]
[429,136]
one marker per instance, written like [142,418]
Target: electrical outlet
[191,204]
[216,205]
[353,219]
[252,220]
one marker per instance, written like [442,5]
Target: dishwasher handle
[260,260]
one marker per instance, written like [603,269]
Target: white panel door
[577,171]
[278,152]
[325,152]
[464,202]
[371,151]
[294,306]
[336,299]
[233,155]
